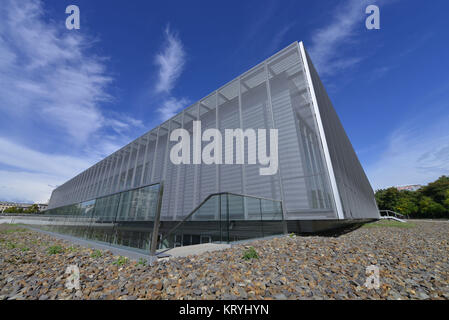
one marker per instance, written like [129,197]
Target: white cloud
[170,62]
[27,159]
[51,84]
[35,173]
[327,42]
[171,106]
[23,186]
[45,72]
[278,38]
[416,154]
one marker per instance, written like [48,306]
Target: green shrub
[55,250]
[11,245]
[121,261]
[97,254]
[250,253]
[142,262]
[72,249]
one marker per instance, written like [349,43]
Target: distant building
[42,206]
[6,205]
[411,187]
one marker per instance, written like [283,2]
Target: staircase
[391,215]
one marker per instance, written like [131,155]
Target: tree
[33,209]
[446,200]
[437,190]
[431,201]
[407,204]
[430,208]
[13,210]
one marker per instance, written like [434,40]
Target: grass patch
[142,262]
[13,230]
[121,261]
[55,250]
[96,254]
[72,249]
[11,245]
[24,249]
[250,253]
[389,224]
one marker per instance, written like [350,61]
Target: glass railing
[127,219]
[226,217]
[124,219]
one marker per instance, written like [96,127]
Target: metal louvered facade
[319,176]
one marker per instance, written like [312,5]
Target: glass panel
[124,218]
[226,218]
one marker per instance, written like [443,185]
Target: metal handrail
[395,214]
[204,201]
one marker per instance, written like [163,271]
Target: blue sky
[70,97]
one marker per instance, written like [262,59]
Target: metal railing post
[157,220]
[227,215]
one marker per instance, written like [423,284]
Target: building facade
[319,182]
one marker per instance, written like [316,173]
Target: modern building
[319,183]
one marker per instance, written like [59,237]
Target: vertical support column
[95,181]
[90,183]
[273,125]
[75,188]
[220,217]
[196,176]
[178,177]
[110,176]
[83,186]
[116,165]
[261,216]
[164,171]
[227,217]
[122,159]
[155,154]
[135,163]
[157,220]
[245,207]
[131,147]
[78,188]
[102,177]
[217,166]
[145,159]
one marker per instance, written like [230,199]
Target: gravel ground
[413,263]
